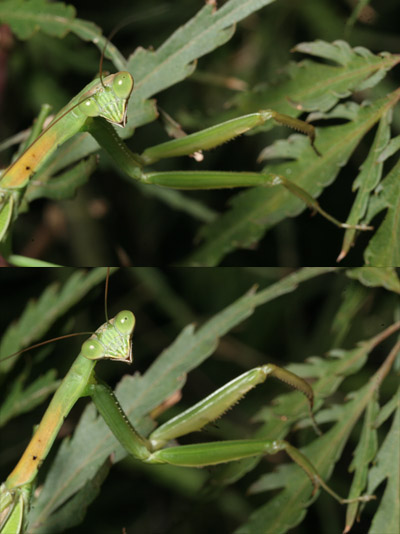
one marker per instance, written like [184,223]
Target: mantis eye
[92,349]
[125,322]
[89,107]
[122,84]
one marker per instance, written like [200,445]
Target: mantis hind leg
[214,453]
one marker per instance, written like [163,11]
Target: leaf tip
[342,255]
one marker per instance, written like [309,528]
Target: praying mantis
[113,341]
[102,104]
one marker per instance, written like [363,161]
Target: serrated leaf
[172,62]
[364,454]
[29,16]
[21,400]
[376,277]
[384,247]
[367,180]
[339,51]
[387,466]
[256,210]
[392,147]
[313,86]
[353,299]
[386,411]
[155,70]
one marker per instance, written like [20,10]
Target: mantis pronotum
[113,341]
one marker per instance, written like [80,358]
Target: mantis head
[113,340]
[110,100]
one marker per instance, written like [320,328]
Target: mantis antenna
[106,295]
[108,40]
[66,336]
[115,30]
[37,345]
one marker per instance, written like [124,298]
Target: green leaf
[287,509]
[386,411]
[367,180]
[26,17]
[353,301]
[384,247]
[21,400]
[387,467]
[377,277]
[392,147]
[316,86]
[364,454]
[154,71]
[29,16]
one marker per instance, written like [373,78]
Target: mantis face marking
[112,340]
[109,99]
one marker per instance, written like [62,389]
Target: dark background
[112,222]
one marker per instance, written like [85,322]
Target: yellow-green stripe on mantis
[113,341]
[107,99]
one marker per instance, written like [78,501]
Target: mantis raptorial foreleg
[151,450]
[211,137]
[216,404]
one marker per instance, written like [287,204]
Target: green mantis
[102,104]
[113,340]
[105,98]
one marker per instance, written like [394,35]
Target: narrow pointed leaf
[367,180]
[21,400]
[384,247]
[387,468]
[377,277]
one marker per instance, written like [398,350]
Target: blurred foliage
[312,320]
[141,225]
